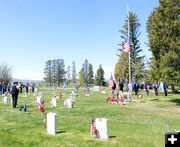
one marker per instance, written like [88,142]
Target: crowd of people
[136,86]
[14,89]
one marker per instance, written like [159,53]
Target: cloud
[28,75]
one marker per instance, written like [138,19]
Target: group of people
[136,86]
[14,89]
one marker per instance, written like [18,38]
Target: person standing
[156,89]
[147,89]
[9,87]
[15,92]
[165,89]
[136,88]
[27,87]
[121,86]
[21,86]
[33,85]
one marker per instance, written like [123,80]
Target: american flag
[111,82]
[126,46]
[92,126]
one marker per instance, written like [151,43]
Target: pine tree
[164,41]
[73,72]
[68,80]
[99,78]
[48,72]
[86,74]
[122,67]
[137,64]
[90,74]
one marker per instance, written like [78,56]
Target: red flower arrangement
[41,109]
[108,99]
[42,101]
[117,100]
[113,99]
[122,99]
[96,132]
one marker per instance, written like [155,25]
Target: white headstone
[39,99]
[53,102]
[69,103]
[87,94]
[103,92]
[51,123]
[102,127]
[96,88]
[5,100]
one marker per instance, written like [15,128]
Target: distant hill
[24,81]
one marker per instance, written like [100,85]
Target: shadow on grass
[155,100]
[112,136]
[177,101]
[59,132]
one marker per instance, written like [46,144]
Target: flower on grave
[84,90]
[96,132]
[108,99]
[42,101]
[59,95]
[41,109]
[117,99]
[139,96]
[113,99]
[122,99]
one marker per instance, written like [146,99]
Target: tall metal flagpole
[130,83]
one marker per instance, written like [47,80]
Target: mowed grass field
[138,124]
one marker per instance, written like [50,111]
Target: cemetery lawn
[138,124]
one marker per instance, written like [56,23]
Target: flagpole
[130,83]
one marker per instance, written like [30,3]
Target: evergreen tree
[54,72]
[68,75]
[73,72]
[60,68]
[164,41]
[86,74]
[137,64]
[90,74]
[99,78]
[122,67]
[48,72]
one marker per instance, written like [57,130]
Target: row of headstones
[68,102]
[100,123]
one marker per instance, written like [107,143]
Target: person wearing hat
[15,92]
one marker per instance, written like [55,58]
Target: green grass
[142,123]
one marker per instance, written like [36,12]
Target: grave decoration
[59,95]
[25,109]
[139,96]
[93,129]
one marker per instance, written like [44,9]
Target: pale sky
[34,31]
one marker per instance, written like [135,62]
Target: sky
[34,31]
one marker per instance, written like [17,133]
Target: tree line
[57,75]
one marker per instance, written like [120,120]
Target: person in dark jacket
[33,85]
[27,87]
[15,92]
[136,88]
[121,86]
